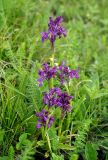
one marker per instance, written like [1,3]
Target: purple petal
[38,125]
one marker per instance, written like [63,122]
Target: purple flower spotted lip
[44,119]
[46,73]
[54,30]
[51,98]
[55,97]
[65,73]
[64,102]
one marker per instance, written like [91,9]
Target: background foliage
[21,55]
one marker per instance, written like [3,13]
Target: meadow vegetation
[84,131]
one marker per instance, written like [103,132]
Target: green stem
[52,63]
[60,126]
[49,84]
[43,133]
[68,120]
[67,88]
[45,130]
[53,53]
[49,144]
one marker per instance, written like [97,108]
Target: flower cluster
[63,73]
[54,30]
[64,102]
[46,73]
[51,98]
[55,97]
[44,118]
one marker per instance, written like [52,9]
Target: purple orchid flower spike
[64,102]
[44,118]
[51,98]
[65,74]
[46,73]
[54,30]
[56,98]
[74,73]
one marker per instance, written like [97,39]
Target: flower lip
[44,118]
[46,73]
[65,73]
[55,97]
[50,98]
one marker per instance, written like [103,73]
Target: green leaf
[28,152]
[74,156]
[11,153]
[83,130]
[56,157]
[22,141]
[4,158]
[1,135]
[90,152]
[53,138]
[40,143]
[65,147]
[26,146]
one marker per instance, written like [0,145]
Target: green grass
[21,55]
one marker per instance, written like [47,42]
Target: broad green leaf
[11,153]
[74,156]
[22,141]
[53,138]
[65,147]
[40,143]
[57,157]
[90,152]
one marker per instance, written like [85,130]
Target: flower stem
[49,144]
[60,126]
[53,54]
[68,120]
[52,63]
[67,88]
[49,84]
